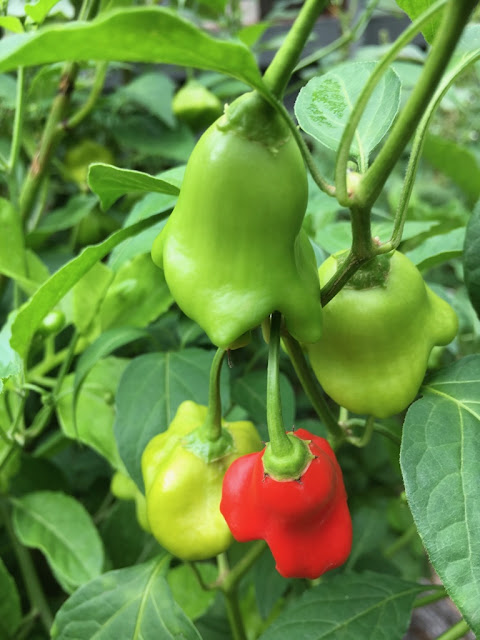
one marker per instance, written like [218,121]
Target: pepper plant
[239,301]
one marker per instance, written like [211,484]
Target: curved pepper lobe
[233,250]
[305,522]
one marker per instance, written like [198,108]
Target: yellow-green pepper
[183,491]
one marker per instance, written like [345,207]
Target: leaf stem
[240,569]
[456,632]
[86,108]
[31,581]
[437,595]
[401,541]
[454,20]
[17,130]
[312,388]
[278,74]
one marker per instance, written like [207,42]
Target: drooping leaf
[38,11]
[130,604]
[457,162]
[348,606]
[62,529]
[10,610]
[150,391]
[414,8]
[438,249]
[12,24]
[136,34]
[471,259]
[439,460]
[324,105]
[110,183]
[52,291]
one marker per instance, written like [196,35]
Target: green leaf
[455,161]
[250,392]
[10,361]
[129,604]
[95,412]
[438,249]
[153,91]
[471,259]
[110,183]
[12,24]
[52,291]
[269,584]
[369,529]
[186,590]
[439,461]
[62,529]
[105,344]
[10,610]
[77,208]
[138,34]
[38,11]
[324,105]
[414,8]
[87,295]
[348,606]
[150,392]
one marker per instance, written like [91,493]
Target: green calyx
[291,462]
[252,118]
[373,273]
[199,443]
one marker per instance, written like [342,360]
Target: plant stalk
[278,74]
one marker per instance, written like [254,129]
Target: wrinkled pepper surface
[183,491]
[373,354]
[233,249]
[305,522]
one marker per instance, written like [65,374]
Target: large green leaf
[129,604]
[136,34]
[150,391]
[439,458]
[62,529]
[10,610]
[471,259]
[52,291]
[349,606]
[324,105]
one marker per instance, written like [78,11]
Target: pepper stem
[286,456]
[213,421]
[211,441]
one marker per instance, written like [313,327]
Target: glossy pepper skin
[305,522]
[183,491]
[233,250]
[374,350]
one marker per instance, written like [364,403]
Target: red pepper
[305,522]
